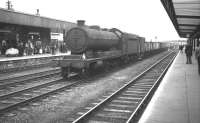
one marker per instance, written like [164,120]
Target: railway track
[127,103]
[27,75]
[25,96]
[22,80]
[13,88]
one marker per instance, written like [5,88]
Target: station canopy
[24,19]
[185,16]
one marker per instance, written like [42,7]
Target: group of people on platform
[30,48]
[189,52]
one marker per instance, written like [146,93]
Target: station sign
[34,33]
[57,36]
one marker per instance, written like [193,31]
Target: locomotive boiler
[82,39]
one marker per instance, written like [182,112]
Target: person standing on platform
[188,52]
[197,55]
[38,46]
[3,47]
[63,47]
[181,48]
[21,48]
[53,47]
[29,48]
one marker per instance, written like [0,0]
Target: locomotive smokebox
[80,22]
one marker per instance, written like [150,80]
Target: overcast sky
[146,18]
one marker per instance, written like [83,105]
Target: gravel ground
[56,108]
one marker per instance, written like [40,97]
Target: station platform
[4,58]
[15,64]
[177,99]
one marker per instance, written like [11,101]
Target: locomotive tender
[92,47]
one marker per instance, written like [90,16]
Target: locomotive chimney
[80,22]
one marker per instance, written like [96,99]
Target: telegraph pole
[9,5]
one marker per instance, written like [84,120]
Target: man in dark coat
[188,52]
[197,55]
[3,47]
[21,48]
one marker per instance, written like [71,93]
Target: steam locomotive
[93,47]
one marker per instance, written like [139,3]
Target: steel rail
[29,78]
[12,106]
[26,75]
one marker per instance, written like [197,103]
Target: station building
[18,27]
